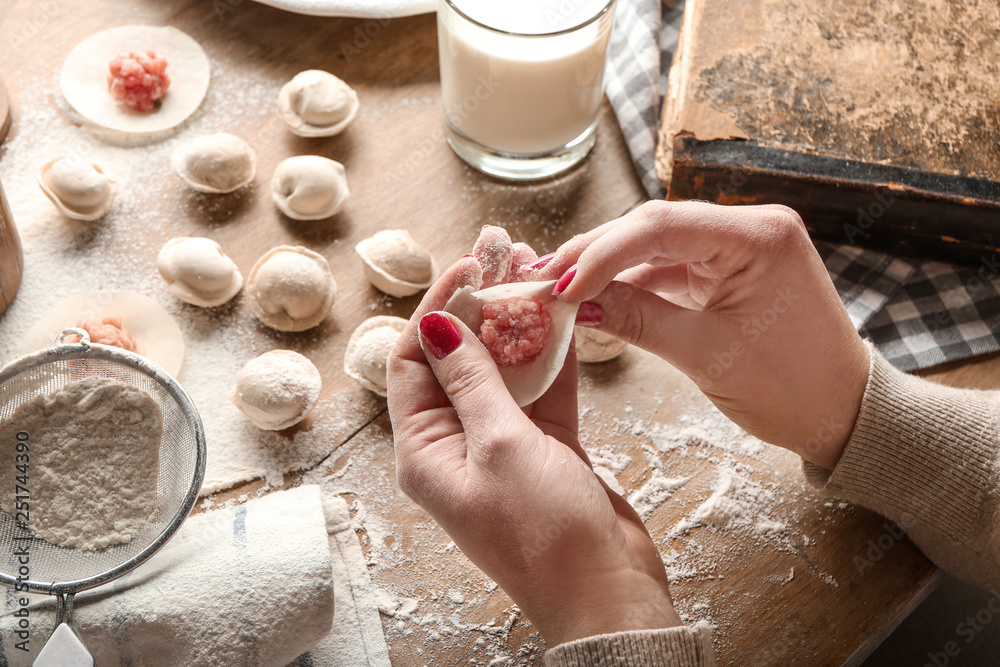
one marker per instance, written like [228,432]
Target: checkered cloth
[918,313]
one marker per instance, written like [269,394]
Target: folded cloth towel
[248,585]
[356,638]
[918,313]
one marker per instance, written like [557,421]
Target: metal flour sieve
[62,571]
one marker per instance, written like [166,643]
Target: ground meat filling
[138,80]
[107,331]
[514,330]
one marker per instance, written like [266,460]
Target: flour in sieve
[92,463]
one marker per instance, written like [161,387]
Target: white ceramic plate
[369,9]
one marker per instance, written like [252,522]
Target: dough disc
[84,79]
[155,331]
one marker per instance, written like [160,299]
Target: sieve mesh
[55,569]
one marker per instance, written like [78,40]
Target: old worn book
[878,121]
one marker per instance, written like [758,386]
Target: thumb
[677,334]
[467,374]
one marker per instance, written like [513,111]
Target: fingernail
[590,314]
[440,334]
[564,281]
[538,263]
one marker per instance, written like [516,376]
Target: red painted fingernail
[564,281]
[538,263]
[590,314]
[440,334]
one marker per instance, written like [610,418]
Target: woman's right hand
[764,336]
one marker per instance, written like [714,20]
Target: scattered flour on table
[65,257]
[94,453]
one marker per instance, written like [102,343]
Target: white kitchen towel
[356,639]
[248,585]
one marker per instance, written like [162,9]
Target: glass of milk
[522,81]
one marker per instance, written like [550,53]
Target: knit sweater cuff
[668,647]
[919,452]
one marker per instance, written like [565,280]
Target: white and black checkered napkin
[918,313]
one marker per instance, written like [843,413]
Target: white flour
[63,257]
[90,466]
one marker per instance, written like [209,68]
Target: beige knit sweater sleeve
[921,454]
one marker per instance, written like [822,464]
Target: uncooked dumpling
[215,163]
[79,188]
[198,272]
[593,345]
[291,288]
[309,187]
[526,330]
[368,351]
[397,264]
[317,104]
[277,389]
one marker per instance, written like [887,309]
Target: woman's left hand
[512,486]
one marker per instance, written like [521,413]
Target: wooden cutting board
[878,122]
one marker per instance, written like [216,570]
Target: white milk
[523,94]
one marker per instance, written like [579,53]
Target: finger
[670,331]
[523,255]
[721,240]
[494,251]
[411,386]
[468,377]
[659,280]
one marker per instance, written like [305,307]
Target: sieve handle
[64,648]
[73,331]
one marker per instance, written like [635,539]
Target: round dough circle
[159,338]
[83,79]
[277,389]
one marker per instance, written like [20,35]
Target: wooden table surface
[802,598]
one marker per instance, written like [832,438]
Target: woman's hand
[764,334]
[513,487]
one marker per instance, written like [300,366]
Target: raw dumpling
[526,330]
[593,345]
[215,163]
[291,288]
[79,188]
[368,350]
[396,264]
[317,104]
[198,272]
[309,187]
[277,389]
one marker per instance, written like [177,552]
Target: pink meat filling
[138,80]
[515,329]
[108,331]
